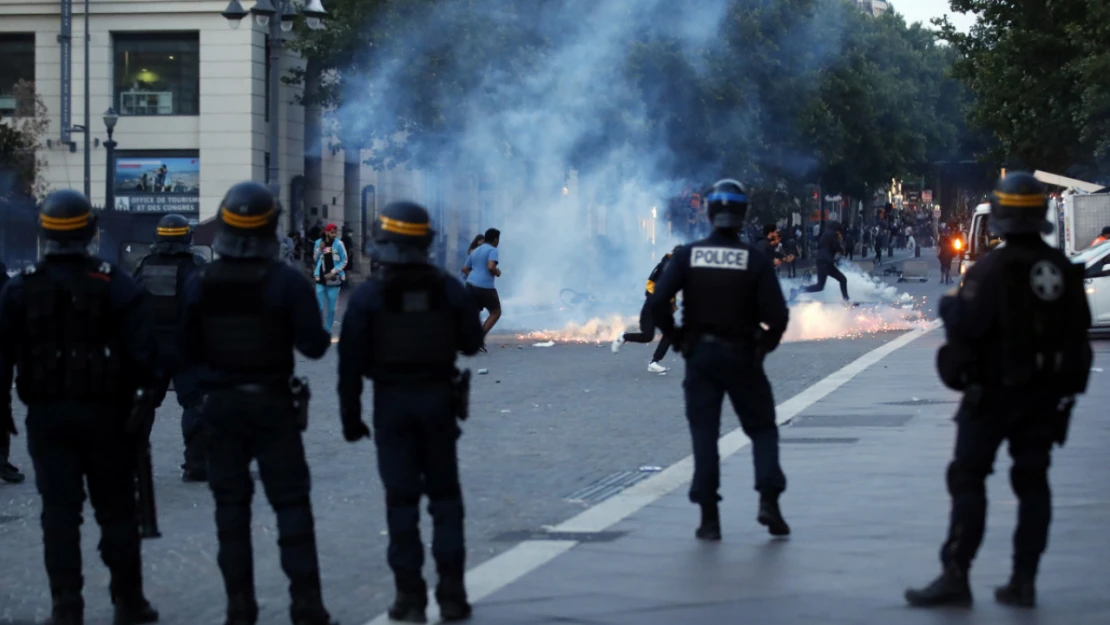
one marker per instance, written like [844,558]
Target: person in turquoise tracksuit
[331,260]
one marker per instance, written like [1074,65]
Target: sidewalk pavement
[868,506]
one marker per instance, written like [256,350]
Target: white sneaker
[617,342]
[656,368]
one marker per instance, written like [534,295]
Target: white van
[980,240]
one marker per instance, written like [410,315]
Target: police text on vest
[719,258]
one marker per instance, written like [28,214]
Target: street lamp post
[110,119]
[263,11]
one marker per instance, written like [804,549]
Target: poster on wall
[158,184]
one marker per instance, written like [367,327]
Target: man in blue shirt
[481,269]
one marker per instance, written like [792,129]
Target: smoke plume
[584,151]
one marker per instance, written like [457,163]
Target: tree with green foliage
[1038,74]
[790,93]
[21,142]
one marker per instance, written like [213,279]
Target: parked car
[1096,262]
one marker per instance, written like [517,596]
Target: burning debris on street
[880,308]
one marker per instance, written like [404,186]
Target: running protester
[827,250]
[481,270]
[647,323]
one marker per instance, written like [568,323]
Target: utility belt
[295,390]
[734,344]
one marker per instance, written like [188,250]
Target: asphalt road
[546,422]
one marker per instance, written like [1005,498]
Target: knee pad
[396,499]
[446,493]
[446,510]
[60,517]
[1029,480]
[963,478]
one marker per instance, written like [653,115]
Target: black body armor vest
[1039,343]
[413,335]
[160,274]
[720,294]
[72,346]
[240,333]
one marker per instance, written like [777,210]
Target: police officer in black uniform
[1017,348]
[729,294]
[80,334]
[403,329]
[164,273]
[243,316]
[8,471]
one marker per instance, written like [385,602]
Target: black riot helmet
[174,229]
[248,223]
[727,204]
[1019,205]
[403,234]
[67,222]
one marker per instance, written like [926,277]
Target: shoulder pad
[30,270]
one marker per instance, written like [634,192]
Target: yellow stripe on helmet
[1020,200]
[404,228]
[173,232]
[64,224]
[248,222]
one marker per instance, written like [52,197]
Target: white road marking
[502,570]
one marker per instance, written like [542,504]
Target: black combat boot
[242,608]
[126,589]
[69,606]
[710,528]
[411,601]
[308,609]
[771,517]
[1020,592]
[950,589]
[133,609]
[451,596]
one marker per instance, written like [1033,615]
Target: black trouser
[5,446]
[945,268]
[70,444]
[977,442]
[260,425]
[792,269]
[878,253]
[824,271]
[647,334]
[712,371]
[193,432]
[416,435]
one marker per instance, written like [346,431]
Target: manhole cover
[851,421]
[922,402]
[818,441]
[517,536]
[607,486]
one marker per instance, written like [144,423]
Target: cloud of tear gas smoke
[576,245]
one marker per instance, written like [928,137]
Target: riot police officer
[729,295]
[1017,348]
[163,273]
[243,316]
[8,471]
[80,334]
[403,329]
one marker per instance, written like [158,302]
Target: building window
[157,73]
[17,63]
